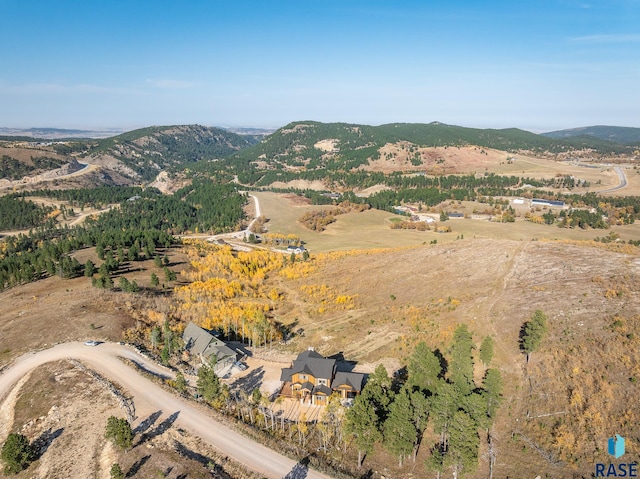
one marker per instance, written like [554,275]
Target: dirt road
[149,397]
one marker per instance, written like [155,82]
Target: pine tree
[119,431]
[124,284]
[533,332]
[361,422]
[492,386]
[420,407]
[461,363]
[423,369]
[89,268]
[462,451]
[486,350]
[443,405]
[400,434]
[208,383]
[116,472]
[16,453]
[378,391]
[181,382]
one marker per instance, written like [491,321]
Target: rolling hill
[347,146]
[330,152]
[614,134]
[143,153]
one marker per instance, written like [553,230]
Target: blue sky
[537,65]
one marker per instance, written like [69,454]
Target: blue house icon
[616,446]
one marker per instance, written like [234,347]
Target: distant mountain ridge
[58,133]
[616,134]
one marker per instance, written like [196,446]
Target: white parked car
[91,343]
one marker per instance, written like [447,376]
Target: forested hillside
[13,169]
[146,151]
[141,220]
[614,134]
[348,146]
[337,153]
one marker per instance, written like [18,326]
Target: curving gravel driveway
[150,397]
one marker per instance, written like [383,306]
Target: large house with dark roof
[313,378]
[200,342]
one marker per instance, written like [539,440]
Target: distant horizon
[120,130]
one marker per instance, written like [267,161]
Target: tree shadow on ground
[300,470]
[147,423]
[184,451]
[141,367]
[42,443]
[239,346]
[159,429]
[137,466]
[249,382]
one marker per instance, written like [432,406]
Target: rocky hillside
[142,154]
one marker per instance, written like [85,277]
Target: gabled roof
[308,386]
[196,338]
[310,362]
[353,380]
[322,389]
[285,375]
[218,348]
[200,341]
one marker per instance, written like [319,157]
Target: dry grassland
[55,310]
[421,293]
[371,229]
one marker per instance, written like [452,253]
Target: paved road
[149,397]
[86,168]
[623,181]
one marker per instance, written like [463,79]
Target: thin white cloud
[57,88]
[608,38]
[171,84]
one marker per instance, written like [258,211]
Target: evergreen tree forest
[138,224]
[17,213]
[437,405]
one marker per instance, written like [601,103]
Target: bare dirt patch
[403,156]
[297,200]
[65,411]
[166,184]
[25,154]
[326,145]
[316,185]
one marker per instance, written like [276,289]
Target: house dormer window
[322,382]
[303,377]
